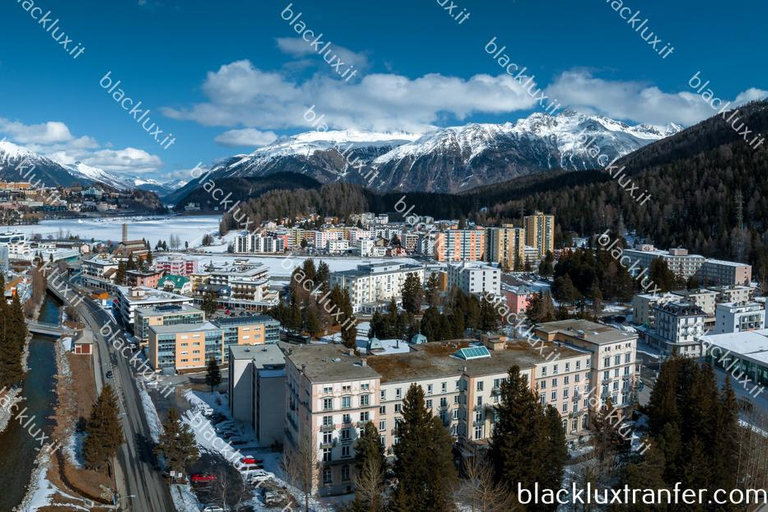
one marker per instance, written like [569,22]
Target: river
[18,448]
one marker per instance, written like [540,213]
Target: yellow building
[506,245]
[540,232]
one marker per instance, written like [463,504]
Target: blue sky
[225,77]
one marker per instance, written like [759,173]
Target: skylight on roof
[470,353]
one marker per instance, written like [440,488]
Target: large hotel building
[540,232]
[330,392]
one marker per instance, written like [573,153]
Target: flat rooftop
[325,362]
[589,331]
[261,355]
[169,309]
[751,344]
[172,329]
[436,360]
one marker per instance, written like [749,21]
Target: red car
[200,478]
[251,460]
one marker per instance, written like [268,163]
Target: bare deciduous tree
[480,493]
[300,464]
[369,484]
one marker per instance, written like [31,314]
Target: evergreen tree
[423,464]
[433,290]
[209,304]
[12,338]
[322,277]
[489,316]
[545,267]
[413,293]
[104,433]
[177,443]
[120,274]
[213,374]
[149,258]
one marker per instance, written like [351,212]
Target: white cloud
[241,94]
[298,47]
[250,137]
[635,101]
[51,132]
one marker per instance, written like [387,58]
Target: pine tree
[177,443]
[413,293]
[104,432]
[433,290]
[423,464]
[370,467]
[120,273]
[209,304]
[12,337]
[489,316]
[213,374]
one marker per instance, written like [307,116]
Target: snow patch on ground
[6,405]
[184,499]
[153,420]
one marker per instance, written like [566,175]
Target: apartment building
[613,365]
[540,232]
[506,245]
[733,293]
[184,346]
[709,271]
[148,278]
[703,298]
[725,273]
[733,317]
[247,284]
[179,346]
[176,265]
[677,329]
[474,278]
[257,390]
[459,245]
[129,300]
[257,243]
[330,395]
[99,271]
[165,314]
[742,354]
[374,283]
[517,297]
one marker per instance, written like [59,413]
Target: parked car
[109,374]
[259,476]
[212,508]
[274,497]
[200,478]
[250,468]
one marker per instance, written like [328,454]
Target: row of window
[617,360]
[346,402]
[556,368]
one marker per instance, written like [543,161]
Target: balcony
[327,428]
[327,445]
[496,390]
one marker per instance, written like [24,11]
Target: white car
[259,476]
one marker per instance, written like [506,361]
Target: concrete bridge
[49,329]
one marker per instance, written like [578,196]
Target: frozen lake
[188,229]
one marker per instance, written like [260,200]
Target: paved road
[145,488]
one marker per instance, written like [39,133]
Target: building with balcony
[176,265]
[506,245]
[677,329]
[184,346]
[129,300]
[459,245]
[165,314]
[475,278]
[540,232]
[733,317]
[374,283]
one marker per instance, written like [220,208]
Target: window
[566,380]
[444,387]
[616,385]
[565,406]
[345,434]
[344,473]
[456,399]
[382,425]
[479,401]
[554,382]
[584,421]
[327,420]
[346,402]
[543,397]
[544,371]
[575,424]
[344,451]
[455,414]
[458,385]
[327,404]
[364,416]
[554,395]
[626,357]
[606,375]
[327,474]
[626,370]
[327,438]
[429,404]
[479,432]
[578,365]
[397,407]
[429,389]
[328,389]
[479,385]
[346,419]
[327,456]
[443,402]
[567,367]
[383,394]
[346,389]
[365,387]
[543,384]
[617,360]
[554,370]
[364,400]
[565,393]
[399,393]
[577,377]
[607,362]
[383,409]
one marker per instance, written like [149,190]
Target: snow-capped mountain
[94,174]
[20,164]
[450,159]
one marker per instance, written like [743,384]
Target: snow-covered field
[188,229]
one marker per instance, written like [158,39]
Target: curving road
[140,486]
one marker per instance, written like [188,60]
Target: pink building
[517,298]
[176,265]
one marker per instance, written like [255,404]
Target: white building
[129,300]
[475,278]
[256,243]
[677,330]
[337,246]
[739,317]
[375,282]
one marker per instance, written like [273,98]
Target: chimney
[125,232]
[363,362]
